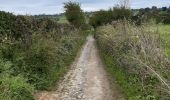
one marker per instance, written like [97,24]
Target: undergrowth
[135,57]
[34,54]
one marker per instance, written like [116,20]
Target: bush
[44,64]
[15,88]
[103,17]
[38,63]
[74,14]
[166,20]
[6,25]
[5,67]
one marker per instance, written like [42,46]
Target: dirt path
[87,80]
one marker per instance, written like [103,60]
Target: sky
[35,7]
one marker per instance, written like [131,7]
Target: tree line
[138,16]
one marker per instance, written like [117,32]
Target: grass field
[164,31]
[62,19]
[165,36]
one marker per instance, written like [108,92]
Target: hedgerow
[34,54]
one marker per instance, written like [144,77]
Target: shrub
[40,62]
[44,64]
[6,25]
[15,88]
[103,17]
[5,67]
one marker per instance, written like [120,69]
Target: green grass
[15,88]
[165,36]
[62,19]
[130,90]
[164,31]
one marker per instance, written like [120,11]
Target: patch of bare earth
[87,79]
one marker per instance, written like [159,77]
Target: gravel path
[87,80]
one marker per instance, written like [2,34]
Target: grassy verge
[128,53]
[130,90]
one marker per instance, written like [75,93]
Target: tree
[103,17]
[164,8]
[154,8]
[74,14]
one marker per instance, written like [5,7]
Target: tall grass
[136,58]
[15,88]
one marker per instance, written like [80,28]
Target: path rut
[87,79]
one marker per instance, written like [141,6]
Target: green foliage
[6,22]
[100,18]
[22,27]
[103,17]
[144,15]
[121,13]
[74,14]
[40,61]
[164,35]
[5,67]
[149,97]
[62,19]
[34,53]
[7,51]
[15,88]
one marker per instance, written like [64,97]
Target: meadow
[62,19]
[164,31]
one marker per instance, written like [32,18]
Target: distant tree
[154,8]
[74,14]
[103,17]
[147,9]
[121,13]
[164,8]
[168,10]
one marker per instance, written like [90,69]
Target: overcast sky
[34,7]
